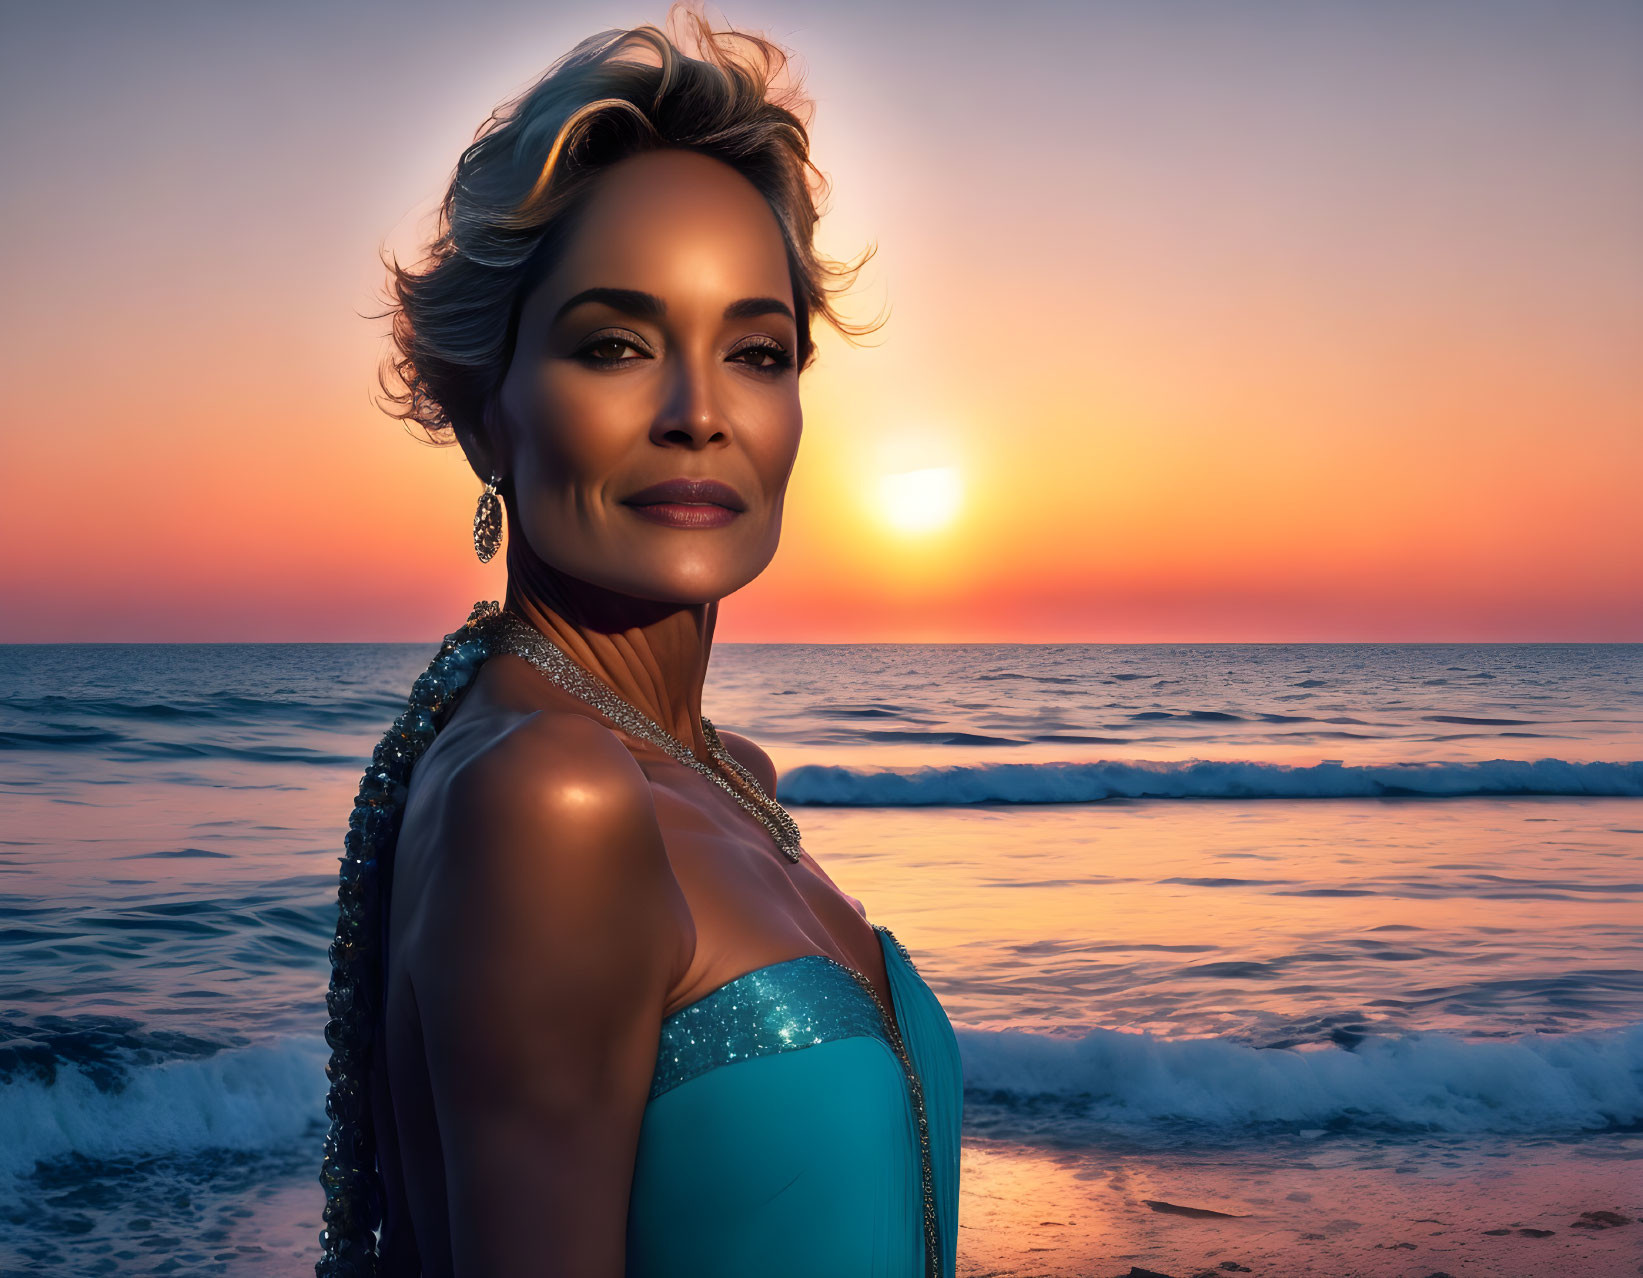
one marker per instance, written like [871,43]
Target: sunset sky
[1225,321]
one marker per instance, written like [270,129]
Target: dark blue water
[1168,893]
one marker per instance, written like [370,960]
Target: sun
[920,501]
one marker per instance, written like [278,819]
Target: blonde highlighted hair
[513,201]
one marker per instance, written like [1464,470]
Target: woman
[594,1008]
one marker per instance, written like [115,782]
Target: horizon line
[868,643]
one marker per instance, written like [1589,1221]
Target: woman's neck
[653,654]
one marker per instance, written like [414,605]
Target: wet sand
[1542,1211]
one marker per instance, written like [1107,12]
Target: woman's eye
[603,344]
[765,357]
[587,356]
[779,358]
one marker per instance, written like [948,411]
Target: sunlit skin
[516,1096]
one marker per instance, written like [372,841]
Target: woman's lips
[678,514]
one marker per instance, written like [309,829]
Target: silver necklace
[517,636]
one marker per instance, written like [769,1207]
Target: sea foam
[259,1097]
[245,1098]
[1412,1082]
[955,784]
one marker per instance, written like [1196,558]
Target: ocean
[1300,957]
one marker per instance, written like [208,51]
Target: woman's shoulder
[513,790]
[550,773]
[548,819]
[521,742]
[751,756]
[557,769]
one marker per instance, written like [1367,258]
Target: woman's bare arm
[541,957]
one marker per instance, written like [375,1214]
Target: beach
[1280,959]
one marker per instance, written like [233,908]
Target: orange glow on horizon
[1269,361]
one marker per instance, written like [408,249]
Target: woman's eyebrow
[644,305]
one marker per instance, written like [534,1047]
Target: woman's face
[679,364]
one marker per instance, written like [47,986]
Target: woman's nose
[691,409]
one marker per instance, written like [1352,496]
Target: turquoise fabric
[781,1136]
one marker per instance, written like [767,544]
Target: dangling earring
[488,522]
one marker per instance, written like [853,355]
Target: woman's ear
[485,448]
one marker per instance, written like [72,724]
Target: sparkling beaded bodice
[780,1007]
[790,1005]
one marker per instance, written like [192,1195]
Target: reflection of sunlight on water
[1324,1211]
[1269,920]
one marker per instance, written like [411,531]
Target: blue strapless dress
[787,1131]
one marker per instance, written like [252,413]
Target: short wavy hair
[513,202]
